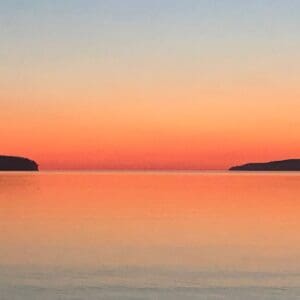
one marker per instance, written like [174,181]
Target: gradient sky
[149,84]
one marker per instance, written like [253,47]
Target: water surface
[149,236]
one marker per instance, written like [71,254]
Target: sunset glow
[149,84]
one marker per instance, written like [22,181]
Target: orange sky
[191,93]
[138,132]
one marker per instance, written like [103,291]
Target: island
[282,165]
[14,163]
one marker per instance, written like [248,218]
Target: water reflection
[179,230]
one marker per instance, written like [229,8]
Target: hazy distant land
[282,165]
[14,163]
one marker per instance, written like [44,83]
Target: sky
[161,84]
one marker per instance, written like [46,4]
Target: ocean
[149,235]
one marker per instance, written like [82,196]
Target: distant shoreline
[126,171]
[16,163]
[289,165]
[20,164]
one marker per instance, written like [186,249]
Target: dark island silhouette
[282,165]
[14,163]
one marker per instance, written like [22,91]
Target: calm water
[149,236]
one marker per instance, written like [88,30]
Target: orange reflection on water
[208,220]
